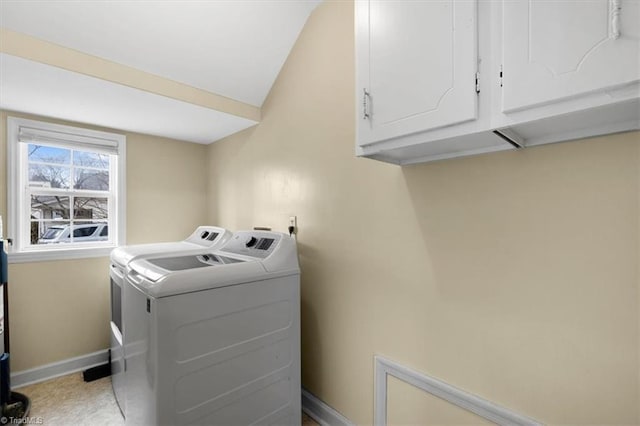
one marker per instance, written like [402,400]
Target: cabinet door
[554,50]
[417,62]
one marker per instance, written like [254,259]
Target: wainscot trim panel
[459,397]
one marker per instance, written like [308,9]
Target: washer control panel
[258,244]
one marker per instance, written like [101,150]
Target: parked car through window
[81,233]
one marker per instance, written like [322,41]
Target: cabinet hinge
[500,78]
[477,82]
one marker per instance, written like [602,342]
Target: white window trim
[13,179]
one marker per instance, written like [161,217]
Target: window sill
[63,254]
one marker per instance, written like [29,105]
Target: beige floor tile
[69,400]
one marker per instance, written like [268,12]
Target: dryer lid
[203,238]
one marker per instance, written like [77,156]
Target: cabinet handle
[614,13]
[365,110]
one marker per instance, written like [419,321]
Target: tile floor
[68,400]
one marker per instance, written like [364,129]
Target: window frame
[18,191]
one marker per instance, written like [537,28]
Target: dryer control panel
[258,244]
[206,236]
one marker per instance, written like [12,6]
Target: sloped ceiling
[221,56]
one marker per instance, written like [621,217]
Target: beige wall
[60,309]
[511,275]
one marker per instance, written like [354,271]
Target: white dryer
[214,338]
[204,237]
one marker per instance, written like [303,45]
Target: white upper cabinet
[416,64]
[437,79]
[559,50]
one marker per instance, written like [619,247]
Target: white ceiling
[49,91]
[230,48]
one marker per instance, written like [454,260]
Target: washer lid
[181,263]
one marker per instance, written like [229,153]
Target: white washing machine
[204,237]
[214,338]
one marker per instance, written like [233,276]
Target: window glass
[90,208]
[47,207]
[49,176]
[48,154]
[49,232]
[90,159]
[84,230]
[52,233]
[91,179]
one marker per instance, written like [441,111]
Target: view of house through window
[57,214]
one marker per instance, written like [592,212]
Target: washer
[204,237]
[214,338]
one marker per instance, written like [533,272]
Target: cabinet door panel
[417,59]
[554,50]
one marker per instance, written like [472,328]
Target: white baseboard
[463,399]
[57,369]
[321,412]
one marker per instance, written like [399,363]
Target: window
[66,190]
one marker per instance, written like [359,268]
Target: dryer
[214,338]
[204,237]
